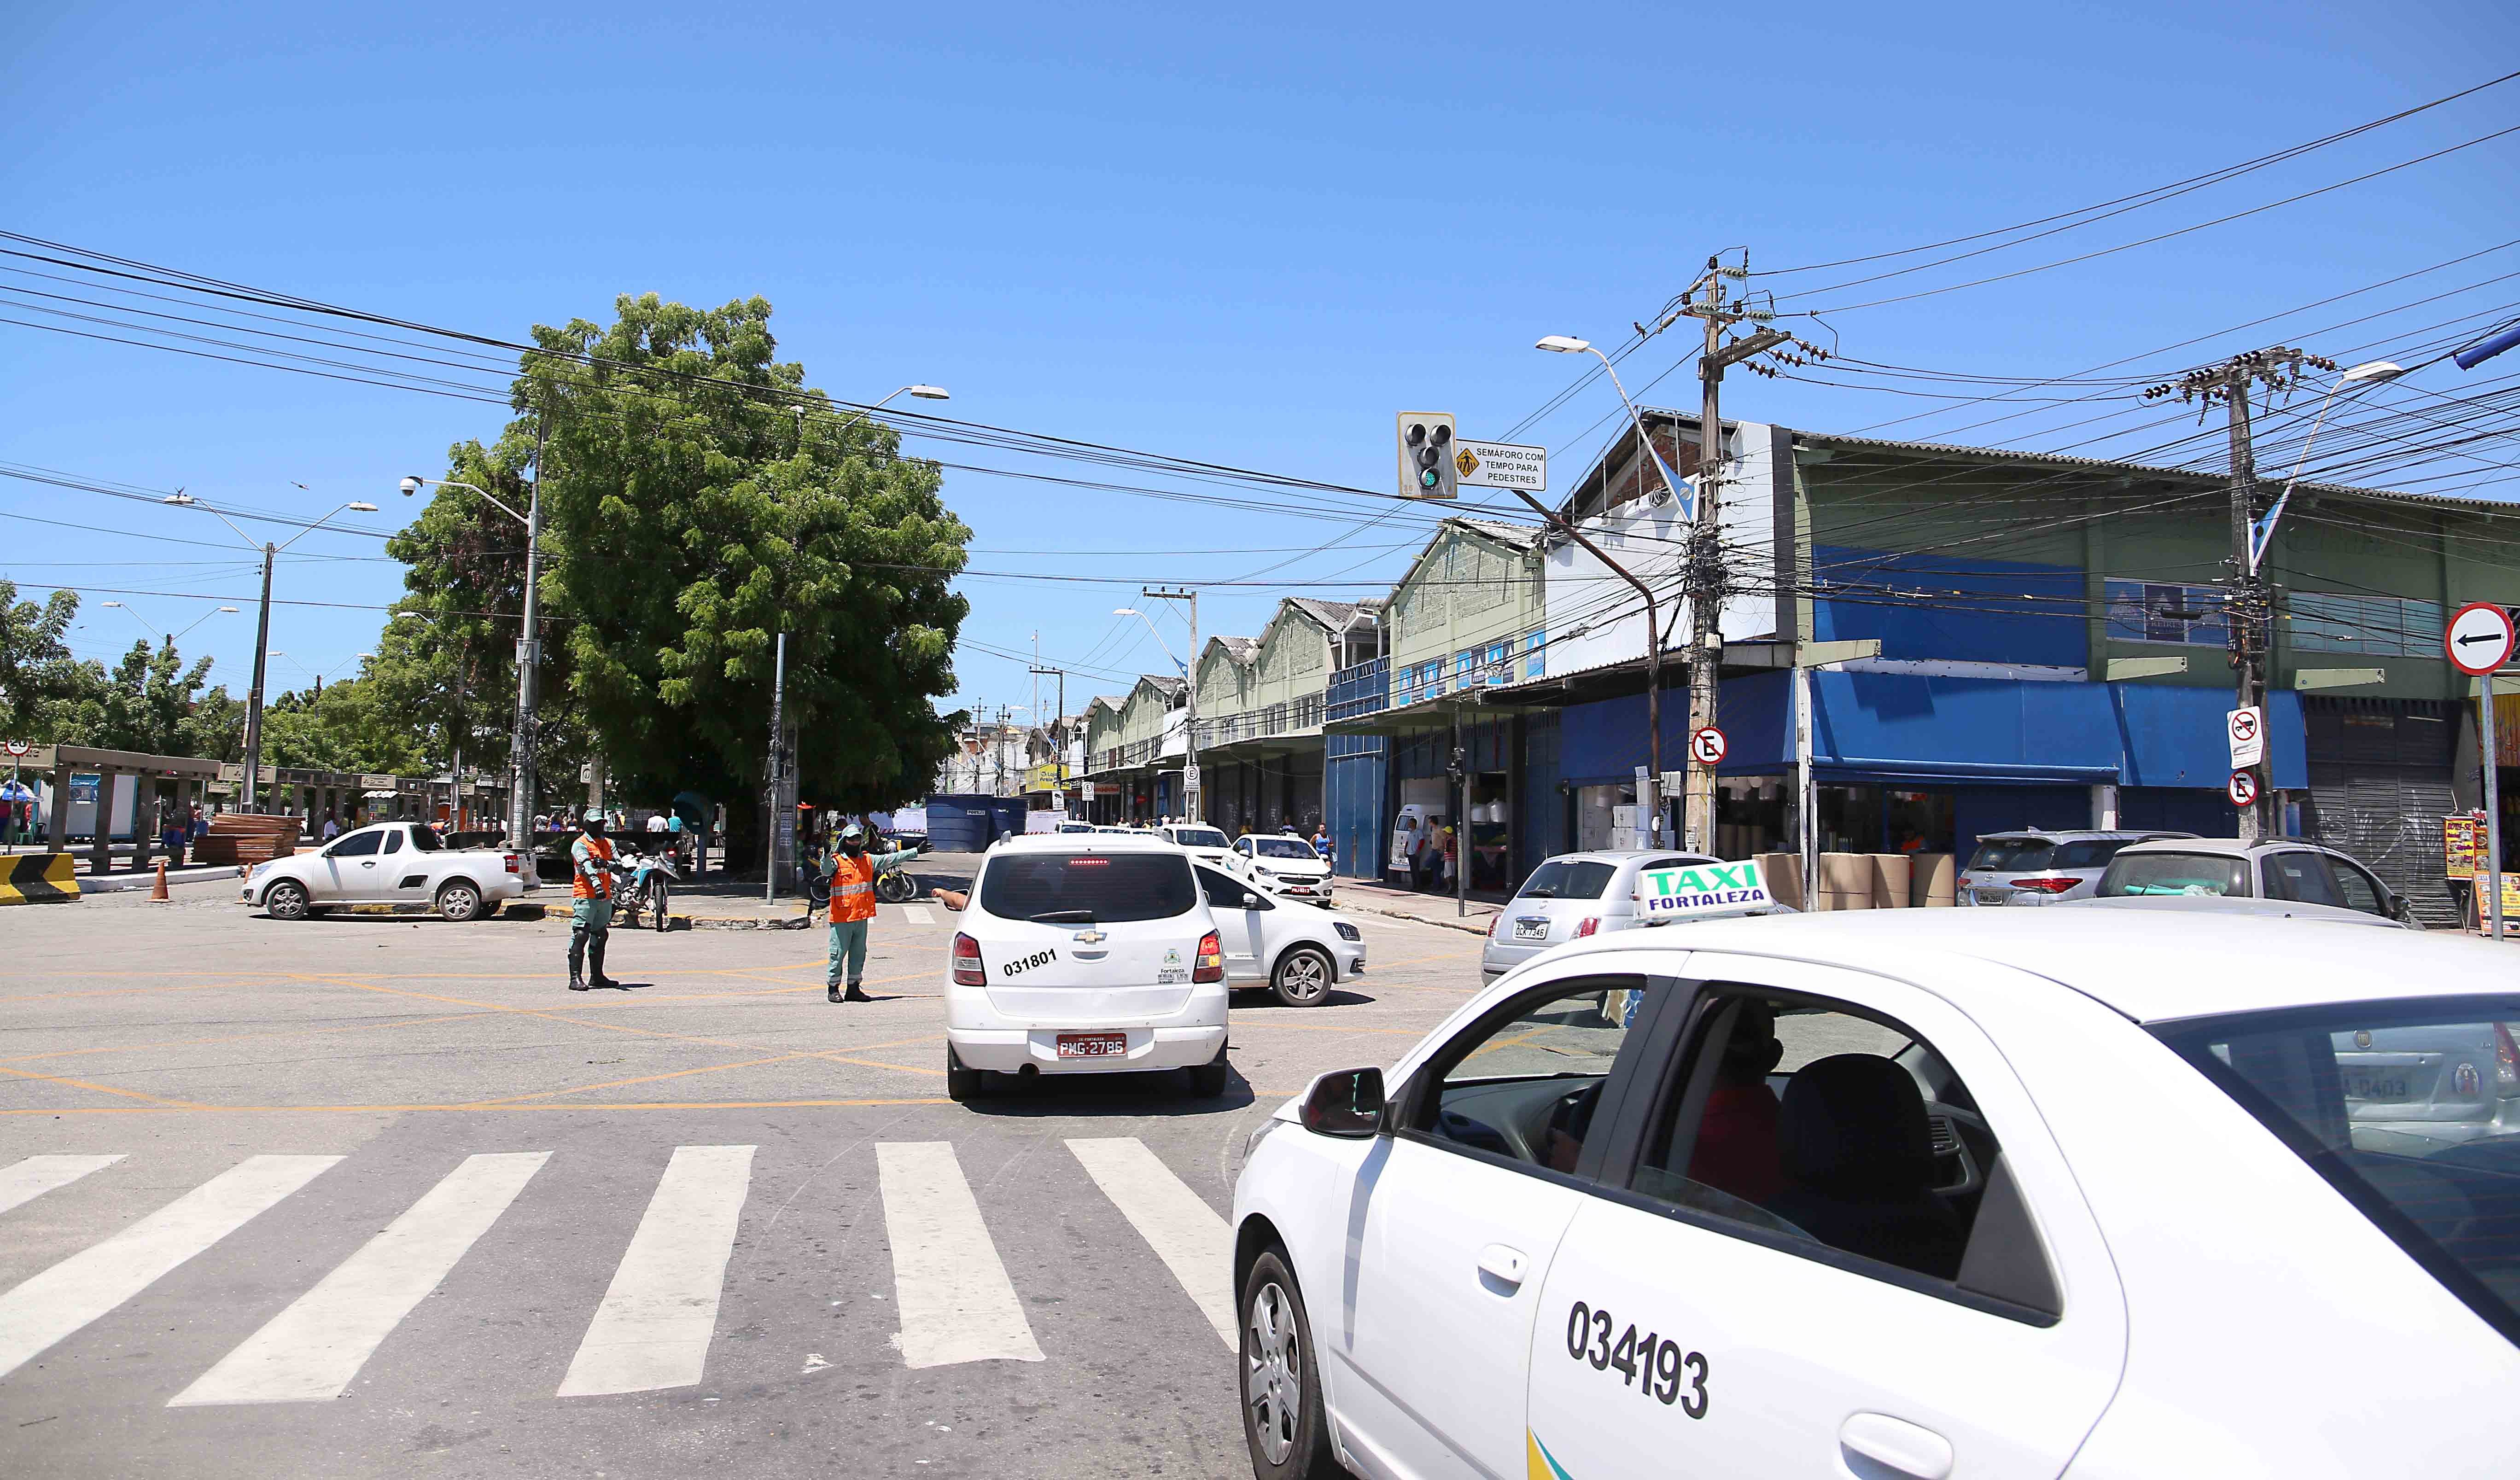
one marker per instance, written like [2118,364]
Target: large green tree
[344,726]
[693,512]
[45,694]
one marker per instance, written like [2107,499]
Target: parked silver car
[2034,867]
[1572,896]
[2272,868]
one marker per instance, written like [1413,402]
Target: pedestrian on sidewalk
[331,825]
[853,874]
[591,869]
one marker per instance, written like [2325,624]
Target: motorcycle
[649,889]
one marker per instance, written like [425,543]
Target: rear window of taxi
[1105,887]
[2134,875]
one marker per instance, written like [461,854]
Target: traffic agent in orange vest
[853,875]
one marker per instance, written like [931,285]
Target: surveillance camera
[409,486]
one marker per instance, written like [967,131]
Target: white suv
[1087,954]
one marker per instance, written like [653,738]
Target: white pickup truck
[388,864]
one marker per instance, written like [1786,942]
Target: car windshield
[2089,853]
[1568,879]
[1281,847]
[425,840]
[2410,1111]
[2013,853]
[2137,874]
[1199,837]
[1083,887]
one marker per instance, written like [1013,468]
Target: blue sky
[1248,241]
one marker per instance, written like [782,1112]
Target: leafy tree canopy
[685,525]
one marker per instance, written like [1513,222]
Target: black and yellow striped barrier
[38,879]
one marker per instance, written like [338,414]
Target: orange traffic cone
[157,890]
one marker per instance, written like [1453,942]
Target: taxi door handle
[1505,1265]
[369,864]
[1893,1447]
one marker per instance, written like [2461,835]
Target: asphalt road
[380,1196]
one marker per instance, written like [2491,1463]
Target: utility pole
[782,818]
[1057,727]
[254,701]
[529,651]
[1191,809]
[1705,576]
[2249,610]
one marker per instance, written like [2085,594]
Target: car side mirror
[1347,1103]
[1250,901]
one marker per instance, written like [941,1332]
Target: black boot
[856,994]
[595,950]
[831,993]
[577,983]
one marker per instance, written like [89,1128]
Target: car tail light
[1496,922]
[2047,886]
[2507,1058]
[1592,922]
[513,864]
[968,972]
[1212,959]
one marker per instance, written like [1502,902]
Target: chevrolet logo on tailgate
[1091,938]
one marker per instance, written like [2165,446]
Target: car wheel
[1281,1393]
[287,899]
[1207,1079]
[962,1084]
[1303,979]
[459,900]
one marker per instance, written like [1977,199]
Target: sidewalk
[1402,904]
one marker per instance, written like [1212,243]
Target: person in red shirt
[1737,1148]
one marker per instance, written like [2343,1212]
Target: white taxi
[1907,1194]
[1285,863]
[1085,954]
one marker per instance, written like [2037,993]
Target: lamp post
[262,628]
[521,758]
[1558,344]
[2262,533]
[919,392]
[127,610]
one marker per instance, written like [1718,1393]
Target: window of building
[2156,611]
[1464,663]
[1534,659]
[2386,626]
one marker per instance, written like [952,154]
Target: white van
[1408,831]
[1085,954]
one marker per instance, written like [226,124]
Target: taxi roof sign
[1698,890]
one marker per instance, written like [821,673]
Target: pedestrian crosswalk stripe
[1185,1233]
[30,1179]
[86,1285]
[653,1327]
[311,1351]
[956,1301]
[918,915]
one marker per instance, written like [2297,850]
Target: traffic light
[1427,469]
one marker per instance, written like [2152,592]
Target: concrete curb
[125,884]
[1463,926]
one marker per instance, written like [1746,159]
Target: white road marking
[311,1351]
[957,1303]
[918,915]
[94,1281]
[653,1327]
[1184,1231]
[30,1179]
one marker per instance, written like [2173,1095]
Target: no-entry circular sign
[2478,639]
[2244,789]
[1707,747]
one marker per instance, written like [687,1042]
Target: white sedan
[1908,1193]
[1299,955]
[384,864]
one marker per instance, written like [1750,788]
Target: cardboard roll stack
[1866,880]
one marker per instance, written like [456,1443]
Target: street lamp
[521,756]
[252,794]
[2262,533]
[130,612]
[1558,344]
[1158,636]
